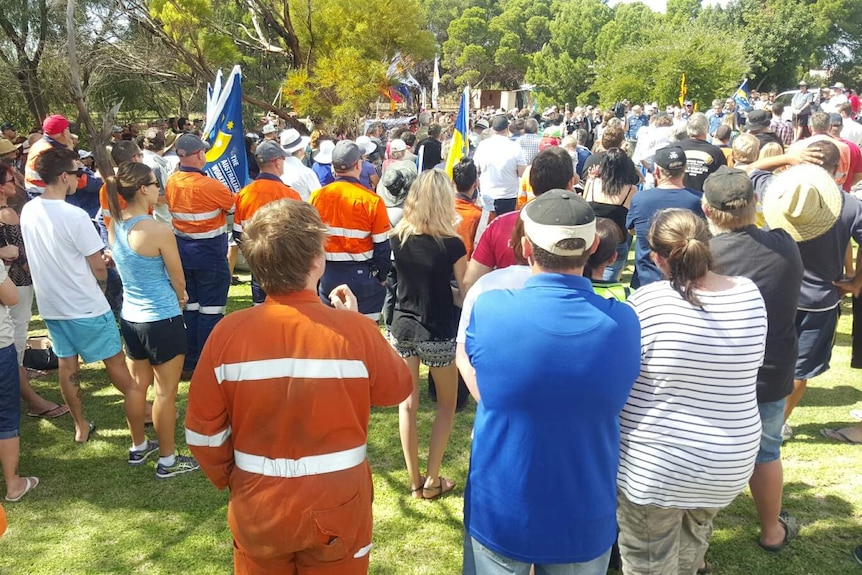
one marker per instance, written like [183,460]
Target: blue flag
[226,159]
[741,97]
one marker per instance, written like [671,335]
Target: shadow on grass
[830,396]
[828,530]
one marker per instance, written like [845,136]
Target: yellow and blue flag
[226,158]
[459,136]
[741,97]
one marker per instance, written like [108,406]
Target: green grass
[92,513]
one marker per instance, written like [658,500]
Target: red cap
[55,124]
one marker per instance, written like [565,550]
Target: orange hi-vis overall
[265,189]
[278,413]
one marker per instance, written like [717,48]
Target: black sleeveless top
[615,213]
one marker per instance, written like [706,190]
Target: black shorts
[158,341]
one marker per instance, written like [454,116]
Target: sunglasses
[76,172]
[153,183]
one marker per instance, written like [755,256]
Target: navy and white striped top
[691,427]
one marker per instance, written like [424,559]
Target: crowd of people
[368,258]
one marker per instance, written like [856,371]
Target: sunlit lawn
[92,513]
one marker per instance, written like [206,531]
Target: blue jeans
[479,560]
[10,393]
[615,270]
[207,291]
[771,421]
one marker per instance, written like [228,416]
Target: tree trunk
[294,123]
[28,79]
[98,138]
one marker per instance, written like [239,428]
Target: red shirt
[493,249]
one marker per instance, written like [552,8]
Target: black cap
[726,187]
[670,157]
[758,120]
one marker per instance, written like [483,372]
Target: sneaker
[786,432]
[182,464]
[858,554]
[140,457]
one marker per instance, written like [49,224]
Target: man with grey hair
[529,142]
[702,158]
[772,261]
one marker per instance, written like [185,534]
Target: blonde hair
[429,208]
[770,150]
[729,120]
[745,148]
[682,239]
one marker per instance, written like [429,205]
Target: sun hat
[804,201]
[366,145]
[724,188]
[324,154]
[802,83]
[269,129]
[83,154]
[481,123]
[558,215]
[292,141]
[7,147]
[758,120]
[395,182]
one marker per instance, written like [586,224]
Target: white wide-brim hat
[324,155]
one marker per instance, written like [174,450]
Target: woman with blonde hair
[690,431]
[154,290]
[428,252]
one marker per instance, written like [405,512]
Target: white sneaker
[786,432]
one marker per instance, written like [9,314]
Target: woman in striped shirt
[691,428]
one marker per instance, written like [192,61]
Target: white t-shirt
[7,329]
[851,130]
[59,238]
[512,277]
[690,430]
[300,177]
[498,159]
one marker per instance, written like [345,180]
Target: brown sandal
[417,492]
[445,486]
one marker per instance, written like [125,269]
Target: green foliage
[651,70]
[564,69]
[490,47]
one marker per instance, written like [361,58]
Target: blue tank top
[148,295]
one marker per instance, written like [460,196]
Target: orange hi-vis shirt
[105,207]
[198,204]
[265,189]
[470,215]
[282,420]
[32,180]
[356,217]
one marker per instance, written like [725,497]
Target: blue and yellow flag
[459,136]
[226,159]
[741,97]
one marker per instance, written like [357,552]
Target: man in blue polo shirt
[542,483]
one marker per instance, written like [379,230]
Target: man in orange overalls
[279,407]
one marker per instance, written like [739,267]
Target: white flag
[435,85]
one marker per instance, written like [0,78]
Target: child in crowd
[606,253]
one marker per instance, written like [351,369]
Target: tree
[709,58]
[26,27]
[564,69]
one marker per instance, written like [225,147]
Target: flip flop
[856,414]
[791,532]
[446,485]
[56,411]
[838,435]
[90,434]
[31,483]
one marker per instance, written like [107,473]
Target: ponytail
[682,239]
[113,198]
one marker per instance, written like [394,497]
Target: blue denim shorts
[10,393]
[816,330]
[93,338]
[771,421]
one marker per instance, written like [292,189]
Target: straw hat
[804,201]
